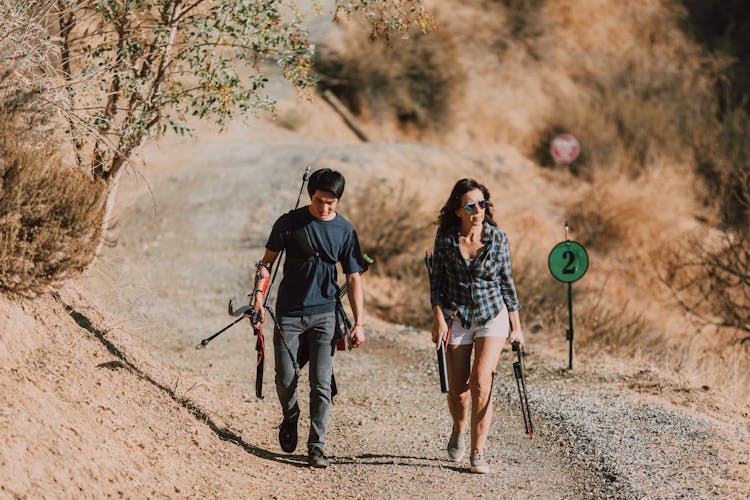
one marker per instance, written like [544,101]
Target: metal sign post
[568,262]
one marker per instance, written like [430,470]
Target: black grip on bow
[441,356]
[519,372]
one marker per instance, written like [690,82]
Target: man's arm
[262,274]
[357,302]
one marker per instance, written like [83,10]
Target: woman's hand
[439,329]
[516,336]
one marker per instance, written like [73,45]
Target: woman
[473,299]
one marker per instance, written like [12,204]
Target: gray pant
[315,334]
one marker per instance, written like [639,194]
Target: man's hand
[356,336]
[257,317]
[258,314]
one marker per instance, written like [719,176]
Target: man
[316,238]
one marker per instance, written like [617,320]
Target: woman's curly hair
[448,220]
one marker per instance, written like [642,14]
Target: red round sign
[564,148]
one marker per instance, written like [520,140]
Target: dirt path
[184,249]
[169,278]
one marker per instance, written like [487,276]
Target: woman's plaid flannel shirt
[477,294]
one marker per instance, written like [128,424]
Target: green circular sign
[568,261]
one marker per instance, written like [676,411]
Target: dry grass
[636,230]
[395,229]
[640,97]
[709,274]
[411,83]
[629,218]
[49,214]
[391,222]
[543,298]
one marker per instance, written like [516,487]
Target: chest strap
[297,240]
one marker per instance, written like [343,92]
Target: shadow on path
[405,460]
[227,434]
[199,413]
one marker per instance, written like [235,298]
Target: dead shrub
[722,159]
[395,230]
[416,80]
[522,18]
[49,214]
[610,215]
[49,219]
[719,25]
[711,282]
[391,222]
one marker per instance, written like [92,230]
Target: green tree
[137,68]
[118,72]
[133,69]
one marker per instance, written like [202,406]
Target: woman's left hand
[516,335]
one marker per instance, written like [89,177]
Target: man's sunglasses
[472,207]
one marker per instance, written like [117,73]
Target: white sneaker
[478,464]
[456,446]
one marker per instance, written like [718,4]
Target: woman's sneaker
[456,446]
[478,464]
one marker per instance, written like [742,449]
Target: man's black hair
[326,179]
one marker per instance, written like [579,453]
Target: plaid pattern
[480,292]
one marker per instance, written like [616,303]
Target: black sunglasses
[472,207]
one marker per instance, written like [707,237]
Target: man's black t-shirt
[309,286]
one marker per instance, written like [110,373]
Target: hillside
[659,178]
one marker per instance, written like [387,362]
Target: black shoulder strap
[297,239]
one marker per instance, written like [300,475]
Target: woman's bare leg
[486,355]
[459,367]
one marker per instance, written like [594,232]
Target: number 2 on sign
[570,267]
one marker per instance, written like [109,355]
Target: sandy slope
[86,413]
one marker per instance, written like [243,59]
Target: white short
[499,326]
